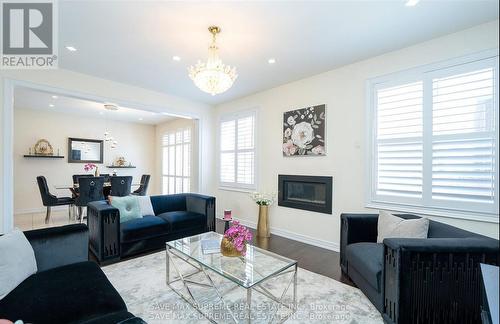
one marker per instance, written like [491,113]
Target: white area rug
[141,283]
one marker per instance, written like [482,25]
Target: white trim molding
[487,218]
[332,246]
[39,210]
[7,192]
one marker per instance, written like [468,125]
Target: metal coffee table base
[199,268]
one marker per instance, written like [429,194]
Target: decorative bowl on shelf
[43,147]
[120,161]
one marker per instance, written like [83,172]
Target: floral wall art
[304,131]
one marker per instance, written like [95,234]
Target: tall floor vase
[263,229]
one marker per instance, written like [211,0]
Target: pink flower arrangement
[89,166]
[239,236]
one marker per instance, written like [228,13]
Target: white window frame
[183,177]
[235,186]
[424,206]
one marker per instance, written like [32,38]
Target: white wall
[173,125]
[343,91]
[136,142]
[92,88]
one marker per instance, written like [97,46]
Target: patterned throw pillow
[128,206]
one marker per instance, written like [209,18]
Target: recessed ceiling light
[51,106]
[55,97]
[110,106]
[140,118]
[176,58]
[271,60]
[71,48]
[411,3]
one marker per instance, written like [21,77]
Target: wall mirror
[82,150]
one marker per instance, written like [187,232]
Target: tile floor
[31,221]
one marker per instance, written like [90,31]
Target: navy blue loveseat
[175,216]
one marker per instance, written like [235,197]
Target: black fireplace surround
[313,193]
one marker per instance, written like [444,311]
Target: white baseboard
[38,210]
[297,237]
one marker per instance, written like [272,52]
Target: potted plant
[91,166]
[264,201]
[235,240]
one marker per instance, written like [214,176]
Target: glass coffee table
[248,272]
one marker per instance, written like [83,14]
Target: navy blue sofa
[432,280]
[67,288]
[176,216]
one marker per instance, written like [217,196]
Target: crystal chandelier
[213,76]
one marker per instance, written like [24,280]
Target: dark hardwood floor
[309,257]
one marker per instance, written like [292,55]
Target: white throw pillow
[17,261]
[146,206]
[394,226]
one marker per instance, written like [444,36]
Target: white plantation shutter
[400,169]
[228,151]
[399,111]
[176,161]
[463,170]
[463,137]
[237,151]
[435,138]
[399,140]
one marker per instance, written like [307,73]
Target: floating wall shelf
[121,167]
[44,156]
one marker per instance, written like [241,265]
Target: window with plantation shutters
[176,161]
[434,139]
[237,151]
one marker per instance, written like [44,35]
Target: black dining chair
[120,185]
[75,190]
[106,177]
[76,176]
[90,189]
[143,187]
[49,200]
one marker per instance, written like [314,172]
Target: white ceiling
[133,41]
[27,98]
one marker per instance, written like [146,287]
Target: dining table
[73,188]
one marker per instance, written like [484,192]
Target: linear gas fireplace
[305,192]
